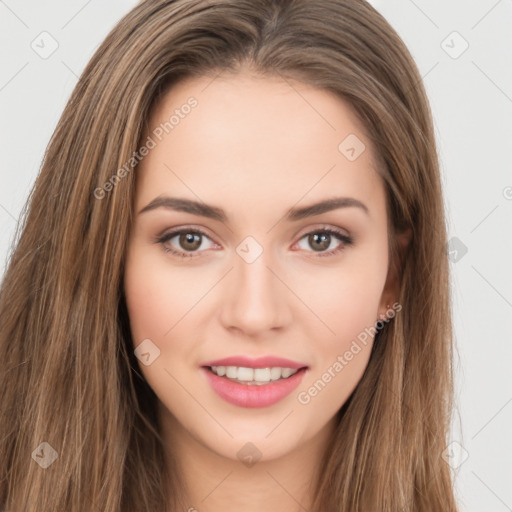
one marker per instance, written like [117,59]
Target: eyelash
[345,239]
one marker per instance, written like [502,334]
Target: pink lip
[260,362]
[245,395]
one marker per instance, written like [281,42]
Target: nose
[255,300]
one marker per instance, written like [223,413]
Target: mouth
[254,376]
[253,387]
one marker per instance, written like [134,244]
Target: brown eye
[319,242]
[325,242]
[185,242]
[190,241]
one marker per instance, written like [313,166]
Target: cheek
[354,309]
[341,358]
[163,303]
[344,301]
[157,295]
[145,302]
[157,299]
[350,314]
[347,303]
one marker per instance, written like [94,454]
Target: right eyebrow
[187,206]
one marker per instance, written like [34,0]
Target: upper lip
[259,362]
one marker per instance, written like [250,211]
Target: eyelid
[186,228]
[322,227]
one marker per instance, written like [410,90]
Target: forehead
[257,137]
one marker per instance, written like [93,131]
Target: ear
[391,289]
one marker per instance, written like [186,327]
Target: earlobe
[391,291]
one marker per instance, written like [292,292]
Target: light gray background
[471,98]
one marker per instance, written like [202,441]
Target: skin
[255,147]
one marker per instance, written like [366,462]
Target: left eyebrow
[324,206]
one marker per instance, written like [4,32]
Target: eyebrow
[216,213]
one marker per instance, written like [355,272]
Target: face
[245,266]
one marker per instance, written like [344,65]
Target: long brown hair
[70,377]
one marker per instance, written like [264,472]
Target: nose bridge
[256,299]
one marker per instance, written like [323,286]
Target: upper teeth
[253,374]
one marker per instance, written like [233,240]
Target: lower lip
[246,395]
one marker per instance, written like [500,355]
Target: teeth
[275,373]
[231,372]
[253,375]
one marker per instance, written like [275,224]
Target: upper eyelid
[205,231]
[323,227]
[186,229]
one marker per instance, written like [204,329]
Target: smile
[256,387]
[253,376]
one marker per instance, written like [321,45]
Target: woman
[231,287]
